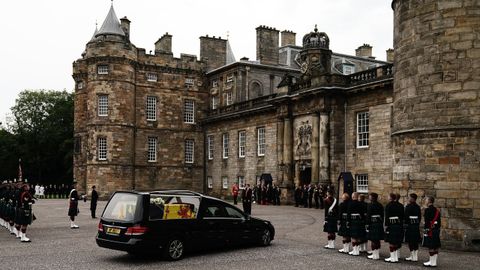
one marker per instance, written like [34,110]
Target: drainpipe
[345,136]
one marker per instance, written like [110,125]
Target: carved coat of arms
[304,142]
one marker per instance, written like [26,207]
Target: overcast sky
[41,38]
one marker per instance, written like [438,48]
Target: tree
[43,127]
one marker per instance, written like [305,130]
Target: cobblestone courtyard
[298,245]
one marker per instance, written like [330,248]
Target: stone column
[287,151]
[324,163]
[315,157]
[281,180]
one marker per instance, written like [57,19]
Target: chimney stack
[288,38]
[164,44]
[213,51]
[125,24]
[267,45]
[364,51]
[390,54]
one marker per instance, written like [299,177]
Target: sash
[332,206]
[432,223]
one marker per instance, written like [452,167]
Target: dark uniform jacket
[413,217]
[356,219]
[73,203]
[394,213]
[374,220]
[331,215]
[93,202]
[343,217]
[432,228]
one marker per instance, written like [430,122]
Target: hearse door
[212,226]
[238,228]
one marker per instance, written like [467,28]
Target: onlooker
[235,193]
[93,202]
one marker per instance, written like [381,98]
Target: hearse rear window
[122,207]
[173,207]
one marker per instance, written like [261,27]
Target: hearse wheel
[174,249]
[265,238]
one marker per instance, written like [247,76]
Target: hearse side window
[173,207]
[233,213]
[214,211]
[123,207]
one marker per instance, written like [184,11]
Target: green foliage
[42,134]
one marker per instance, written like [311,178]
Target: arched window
[256,90]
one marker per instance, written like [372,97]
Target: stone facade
[317,113]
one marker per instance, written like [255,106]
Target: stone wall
[437,111]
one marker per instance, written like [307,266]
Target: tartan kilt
[357,228]
[343,230]
[330,225]
[18,215]
[24,217]
[73,209]
[394,234]
[11,212]
[432,242]
[412,234]
[375,232]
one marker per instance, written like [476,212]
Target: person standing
[344,230]
[356,219]
[247,200]
[73,205]
[25,212]
[331,217]
[394,222]
[311,190]
[298,196]
[235,193]
[432,232]
[93,201]
[374,221]
[316,196]
[363,240]
[413,216]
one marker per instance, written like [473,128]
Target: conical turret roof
[111,25]
[230,57]
[95,32]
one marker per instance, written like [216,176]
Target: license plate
[115,231]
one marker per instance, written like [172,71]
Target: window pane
[151,108]
[152,149]
[102,148]
[225,145]
[362,129]
[261,141]
[189,151]
[189,111]
[241,143]
[210,145]
[103,105]
[210,182]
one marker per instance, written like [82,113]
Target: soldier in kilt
[394,222]
[413,216]
[331,217]
[363,240]
[73,205]
[344,230]
[431,237]
[374,221]
[25,214]
[356,220]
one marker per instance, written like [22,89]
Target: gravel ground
[298,245]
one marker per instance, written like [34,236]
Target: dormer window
[102,69]
[215,83]
[348,69]
[152,77]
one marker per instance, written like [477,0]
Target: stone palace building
[298,114]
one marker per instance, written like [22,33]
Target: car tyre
[174,249]
[265,238]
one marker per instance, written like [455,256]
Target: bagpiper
[73,205]
[344,230]
[331,214]
[431,237]
[374,221]
[25,214]
[413,216]
[394,222]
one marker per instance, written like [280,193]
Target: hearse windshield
[123,207]
[173,206]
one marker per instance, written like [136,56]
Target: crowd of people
[311,195]
[50,191]
[17,198]
[358,222]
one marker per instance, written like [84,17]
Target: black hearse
[173,221]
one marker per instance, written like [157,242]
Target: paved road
[298,245]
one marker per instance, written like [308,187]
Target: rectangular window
[214,102]
[102,105]
[102,148]
[77,145]
[230,78]
[210,182]
[210,147]
[362,183]
[152,77]
[225,145]
[189,81]
[80,85]
[241,182]
[102,69]
[224,182]
[189,151]
[214,83]
[151,108]
[261,141]
[241,143]
[189,111]
[152,149]
[362,130]
[229,98]
[348,69]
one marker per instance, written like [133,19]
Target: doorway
[306,176]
